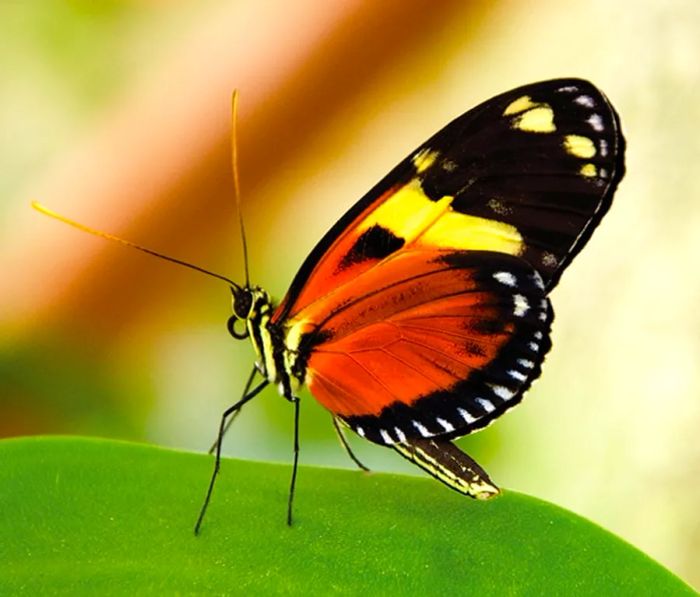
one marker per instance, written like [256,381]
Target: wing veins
[407,364]
[381,289]
[436,351]
[372,375]
[453,335]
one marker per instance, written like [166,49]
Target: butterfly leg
[447,463]
[232,418]
[294,400]
[231,411]
[346,445]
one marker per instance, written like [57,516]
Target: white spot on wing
[505,278]
[538,335]
[534,347]
[446,425]
[527,364]
[503,392]
[385,436]
[486,405]
[596,122]
[360,431]
[568,89]
[465,415]
[603,148]
[585,100]
[400,434]
[517,375]
[422,429]
[521,306]
[537,279]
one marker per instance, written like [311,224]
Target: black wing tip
[619,170]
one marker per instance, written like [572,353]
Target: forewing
[529,173]
[428,344]
[545,159]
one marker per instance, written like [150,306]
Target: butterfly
[423,314]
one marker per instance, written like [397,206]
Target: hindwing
[443,343]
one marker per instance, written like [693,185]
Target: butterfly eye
[242,303]
[231,325]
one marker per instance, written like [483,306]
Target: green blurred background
[117,114]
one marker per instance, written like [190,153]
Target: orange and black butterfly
[422,315]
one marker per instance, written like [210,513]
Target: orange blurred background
[117,114]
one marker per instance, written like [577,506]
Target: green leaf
[101,517]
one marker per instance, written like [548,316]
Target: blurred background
[117,114]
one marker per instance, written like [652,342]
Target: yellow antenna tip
[43,209]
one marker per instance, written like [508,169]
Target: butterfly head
[249,305]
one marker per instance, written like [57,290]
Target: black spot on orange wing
[375,243]
[474,349]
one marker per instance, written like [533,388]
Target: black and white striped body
[274,360]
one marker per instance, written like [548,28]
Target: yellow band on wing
[455,230]
[411,215]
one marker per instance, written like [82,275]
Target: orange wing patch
[409,355]
[467,330]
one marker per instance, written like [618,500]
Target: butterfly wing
[422,313]
[430,344]
[529,172]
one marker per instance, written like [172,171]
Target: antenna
[52,214]
[236,183]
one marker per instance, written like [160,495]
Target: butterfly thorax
[274,360]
